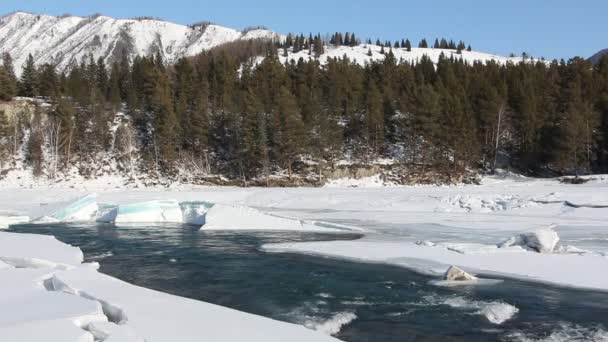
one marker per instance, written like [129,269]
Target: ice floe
[160,211]
[541,240]
[81,210]
[456,274]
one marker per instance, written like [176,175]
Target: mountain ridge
[598,56]
[65,41]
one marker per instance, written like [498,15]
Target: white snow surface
[394,219]
[360,55]
[77,303]
[231,217]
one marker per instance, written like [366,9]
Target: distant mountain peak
[65,41]
[598,56]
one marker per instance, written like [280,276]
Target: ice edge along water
[64,300]
[541,203]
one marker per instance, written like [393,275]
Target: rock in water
[456,274]
[542,240]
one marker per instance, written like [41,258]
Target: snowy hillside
[64,41]
[360,54]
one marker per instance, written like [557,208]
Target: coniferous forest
[227,112]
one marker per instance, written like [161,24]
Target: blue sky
[549,28]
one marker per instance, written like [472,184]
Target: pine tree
[27,83]
[8,81]
[254,143]
[374,117]
[113,90]
[4,139]
[423,44]
[408,45]
[48,83]
[319,49]
[7,63]
[292,137]
[354,41]
[347,39]
[7,86]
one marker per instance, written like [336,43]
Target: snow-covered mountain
[66,40]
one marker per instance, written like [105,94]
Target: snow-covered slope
[360,54]
[67,40]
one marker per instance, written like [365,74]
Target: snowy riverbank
[424,228]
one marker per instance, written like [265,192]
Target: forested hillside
[230,113]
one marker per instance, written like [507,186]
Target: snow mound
[221,217]
[161,211]
[542,240]
[487,203]
[333,325]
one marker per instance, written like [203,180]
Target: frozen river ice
[353,301]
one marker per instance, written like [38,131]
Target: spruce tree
[408,45]
[292,136]
[7,63]
[7,85]
[27,83]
